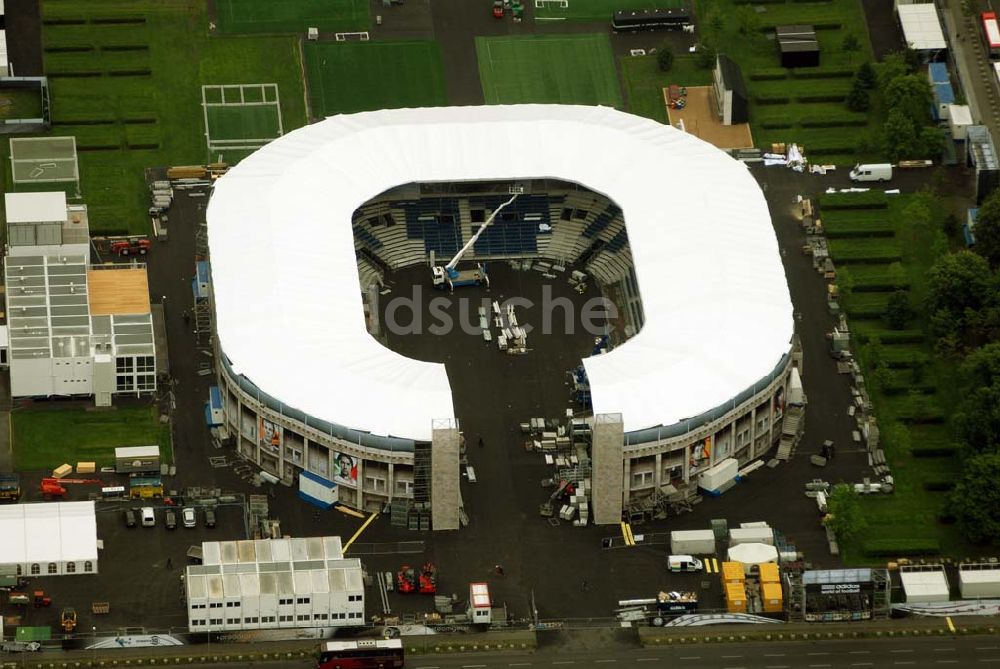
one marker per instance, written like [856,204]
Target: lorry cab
[679,563]
[871,172]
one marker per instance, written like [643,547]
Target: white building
[73,329]
[48,539]
[273,583]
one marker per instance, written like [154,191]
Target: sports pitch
[291,16]
[241,117]
[594,10]
[564,69]
[348,77]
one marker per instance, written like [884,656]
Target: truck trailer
[692,542]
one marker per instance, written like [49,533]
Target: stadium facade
[677,230]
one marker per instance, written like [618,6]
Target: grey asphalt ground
[24,37]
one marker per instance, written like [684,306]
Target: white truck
[446,276]
[679,563]
[871,172]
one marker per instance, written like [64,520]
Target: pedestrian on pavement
[499,569]
[170,563]
[187,317]
[480,442]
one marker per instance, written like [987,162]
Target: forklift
[67,618]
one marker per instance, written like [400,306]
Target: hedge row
[905,388]
[844,120]
[888,337]
[821,97]
[820,25]
[939,486]
[780,73]
[119,20]
[937,451]
[900,547]
[872,199]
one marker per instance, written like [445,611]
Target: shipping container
[977,580]
[692,542]
[769,573]
[736,598]
[715,477]
[137,459]
[771,597]
[751,535]
[732,572]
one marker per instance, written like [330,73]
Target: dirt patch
[699,119]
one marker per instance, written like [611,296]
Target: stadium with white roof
[677,230]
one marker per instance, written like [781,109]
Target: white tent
[49,538]
[921,27]
[289,310]
[752,554]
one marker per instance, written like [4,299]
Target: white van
[148,517]
[873,172]
[678,563]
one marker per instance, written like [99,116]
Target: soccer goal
[352,37]
[558,4]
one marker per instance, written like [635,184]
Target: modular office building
[274,583]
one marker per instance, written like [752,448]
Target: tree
[898,312]
[892,66]
[987,230]
[982,367]
[910,94]
[858,97]
[975,500]
[705,55]
[747,20]
[950,225]
[977,420]
[899,136]
[844,514]
[866,75]
[959,285]
[665,57]
[850,43]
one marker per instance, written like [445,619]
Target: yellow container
[62,471]
[732,572]
[736,598]
[770,595]
[769,573]
[86,467]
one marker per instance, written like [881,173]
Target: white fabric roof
[925,586]
[288,305]
[753,553]
[35,207]
[48,532]
[921,27]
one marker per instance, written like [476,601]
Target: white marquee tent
[49,538]
[288,305]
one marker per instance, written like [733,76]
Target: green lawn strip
[229,123]
[349,77]
[96,61]
[599,10]
[112,181]
[644,82]
[867,330]
[292,16]
[877,249]
[46,439]
[862,228]
[20,103]
[555,69]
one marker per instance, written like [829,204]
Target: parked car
[129,518]
[187,515]
[209,518]
[171,519]
[148,517]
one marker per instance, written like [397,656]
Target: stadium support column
[444,474]
[607,468]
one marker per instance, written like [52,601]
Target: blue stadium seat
[516,232]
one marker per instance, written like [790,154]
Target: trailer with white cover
[751,535]
[692,542]
[924,583]
[979,580]
[713,479]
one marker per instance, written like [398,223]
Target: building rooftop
[35,207]
[118,291]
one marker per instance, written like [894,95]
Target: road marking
[951,625]
[901,650]
[731,657]
[819,665]
[603,661]
[946,661]
[862,664]
[646,659]
[473,666]
[519,664]
[943,650]
[357,534]
[774,654]
[823,653]
[565,662]
[990,659]
[691,657]
[904,662]
[858,652]
[988,648]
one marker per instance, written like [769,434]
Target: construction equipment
[122,246]
[41,600]
[53,487]
[406,580]
[18,599]
[428,579]
[10,488]
[448,275]
[67,618]
[498,9]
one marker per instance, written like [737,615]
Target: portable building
[317,490]
[733,572]
[944,98]
[692,542]
[748,535]
[771,597]
[798,46]
[137,459]
[922,30]
[48,539]
[924,583]
[730,92]
[480,603]
[722,473]
[959,119]
[979,580]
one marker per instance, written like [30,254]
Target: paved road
[909,653]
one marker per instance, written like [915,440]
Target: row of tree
[964,314]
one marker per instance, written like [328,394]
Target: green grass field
[20,103]
[598,10]
[563,69]
[243,123]
[644,82]
[143,108]
[45,439]
[291,16]
[348,77]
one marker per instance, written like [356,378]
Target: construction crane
[447,275]
[53,487]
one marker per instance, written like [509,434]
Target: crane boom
[458,256]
